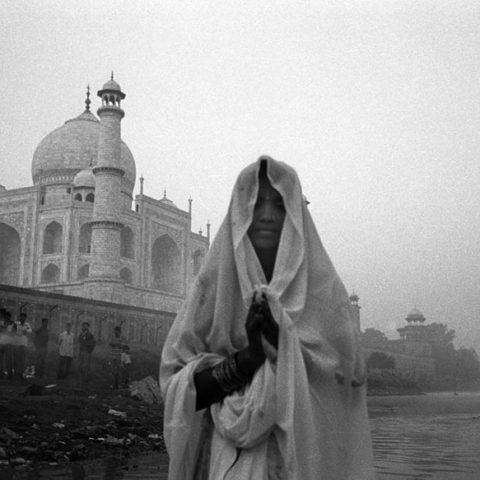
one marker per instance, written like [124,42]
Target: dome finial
[164,193]
[111,78]
[87,101]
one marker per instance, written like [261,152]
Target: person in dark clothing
[86,342]
[3,342]
[126,364]
[9,339]
[41,344]
[117,343]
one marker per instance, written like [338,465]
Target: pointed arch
[126,275]
[83,272]
[51,274]
[10,243]
[197,261]
[78,197]
[85,238]
[52,238]
[127,243]
[90,197]
[165,265]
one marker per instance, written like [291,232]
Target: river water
[434,436]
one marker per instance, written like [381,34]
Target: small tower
[355,307]
[415,335]
[106,224]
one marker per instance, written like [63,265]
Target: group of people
[14,342]
[120,360]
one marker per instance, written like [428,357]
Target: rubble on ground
[147,390]
[56,424]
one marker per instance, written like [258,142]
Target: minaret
[355,308]
[106,224]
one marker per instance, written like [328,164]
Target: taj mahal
[79,230]
[79,243]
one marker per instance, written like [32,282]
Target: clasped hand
[260,321]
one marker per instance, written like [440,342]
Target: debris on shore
[66,422]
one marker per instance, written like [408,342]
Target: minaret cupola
[111,95]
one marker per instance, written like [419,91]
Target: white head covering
[300,416]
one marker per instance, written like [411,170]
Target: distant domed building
[75,231]
[412,352]
[415,336]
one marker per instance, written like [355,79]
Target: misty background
[374,103]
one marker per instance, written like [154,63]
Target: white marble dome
[111,85]
[84,178]
[72,148]
[415,315]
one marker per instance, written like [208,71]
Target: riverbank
[82,422]
[55,422]
[433,403]
[388,383]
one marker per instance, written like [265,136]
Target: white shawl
[300,418]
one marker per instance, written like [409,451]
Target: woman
[262,373]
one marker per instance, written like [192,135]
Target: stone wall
[139,325]
[415,366]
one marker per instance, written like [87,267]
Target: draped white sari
[300,418]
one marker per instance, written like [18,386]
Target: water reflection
[426,446]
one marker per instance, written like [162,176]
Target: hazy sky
[376,104]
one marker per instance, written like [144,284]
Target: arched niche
[126,275]
[52,238]
[51,274]
[127,243]
[85,238]
[197,261]
[78,197]
[165,265]
[10,247]
[83,272]
[90,197]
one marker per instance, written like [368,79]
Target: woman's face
[268,216]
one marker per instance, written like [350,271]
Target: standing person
[262,373]
[20,352]
[125,362]
[11,337]
[65,350]
[86,343]
[41,345]
[116,344]
[3,342]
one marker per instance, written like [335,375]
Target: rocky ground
[54,422]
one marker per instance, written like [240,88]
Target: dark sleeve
[208,389]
